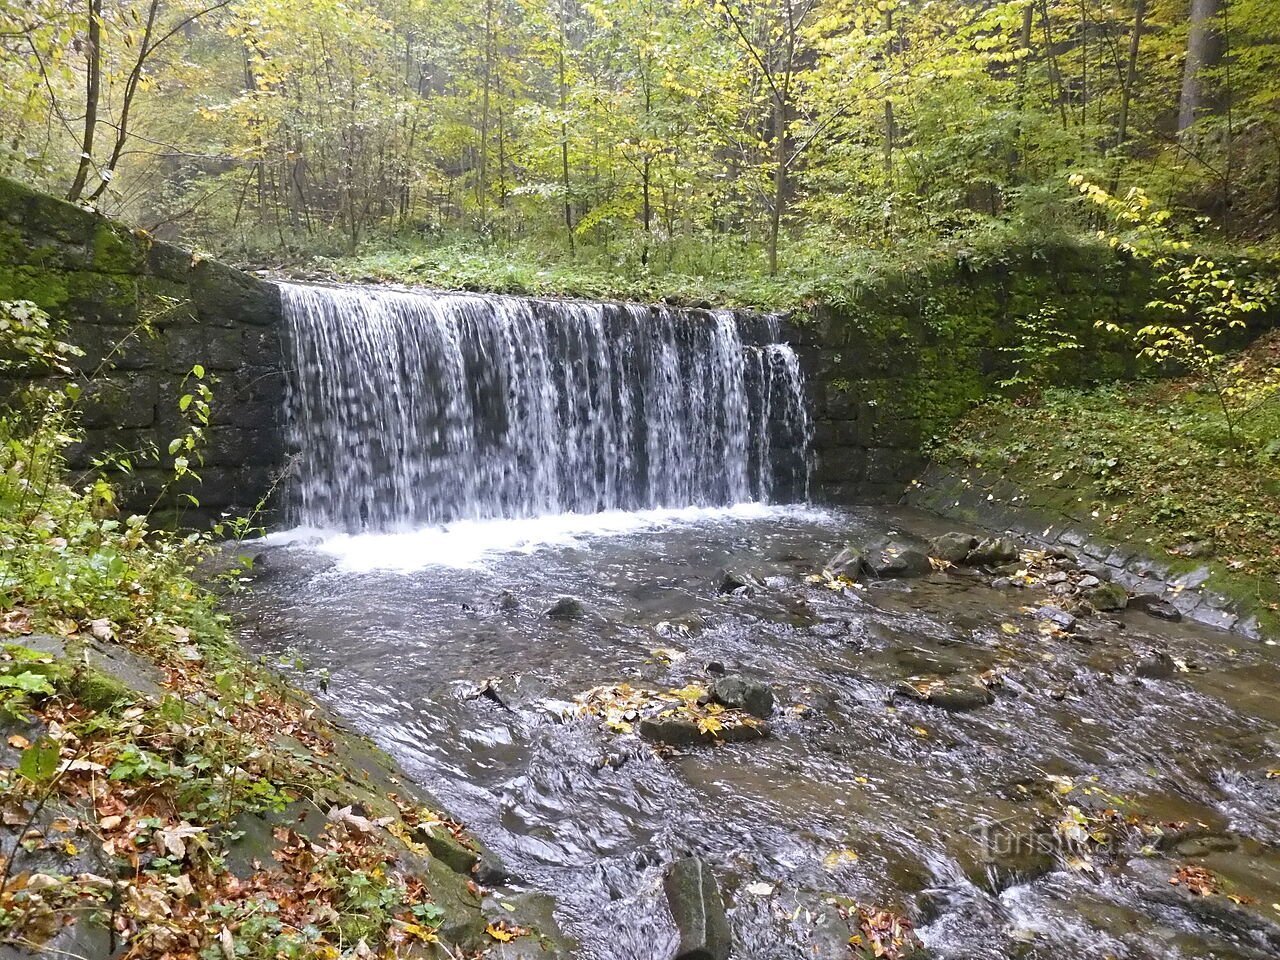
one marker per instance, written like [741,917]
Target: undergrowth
[1155,462]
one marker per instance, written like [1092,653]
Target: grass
[1155,463]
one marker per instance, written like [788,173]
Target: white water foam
[470,543]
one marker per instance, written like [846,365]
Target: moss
[48,288]
[97,691]
[116,249]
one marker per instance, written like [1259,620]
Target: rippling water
[862,797]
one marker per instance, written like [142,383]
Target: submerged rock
[952,547]
[992,551]
[682,731]
[1158,666]
[741,693]
[1153,606]
[1056,616]
[957,696]
[567,608]
[698,910]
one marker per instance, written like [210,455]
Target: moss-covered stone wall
[895,365]
[146,313]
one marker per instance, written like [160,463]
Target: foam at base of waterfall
[469,543]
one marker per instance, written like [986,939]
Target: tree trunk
[92,86]
[564,134]
[779,179]
[1204,50]
[1130,73]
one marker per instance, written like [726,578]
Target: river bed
[879,799]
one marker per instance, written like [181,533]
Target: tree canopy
[651,131]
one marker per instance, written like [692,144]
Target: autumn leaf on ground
[15,622]
[504,932]
[1196,880]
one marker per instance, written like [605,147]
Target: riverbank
[165,794]
[1150,476]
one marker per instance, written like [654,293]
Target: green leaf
[39,762]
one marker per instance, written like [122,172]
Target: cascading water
[414,408]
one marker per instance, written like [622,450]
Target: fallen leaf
[19,742]
[760,889]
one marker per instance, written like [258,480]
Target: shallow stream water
[854,793]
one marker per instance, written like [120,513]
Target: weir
[408,408]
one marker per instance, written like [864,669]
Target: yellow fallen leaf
[499,933]
[838,857]
[920,731]
[19,742]
[1009,628]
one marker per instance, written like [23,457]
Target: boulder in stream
[952,547]
[698,910]
[847,563]
[735,583]
[1108,596]
[992,552]
[741,693]
[896,560]
[567,608]
[958,695]
[1153,606]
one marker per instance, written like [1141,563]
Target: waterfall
[408,408]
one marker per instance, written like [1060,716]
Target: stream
[855,792]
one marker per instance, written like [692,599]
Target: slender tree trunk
[1130,73]
[92,87]
[779,179]
[564,133]
[1204,50]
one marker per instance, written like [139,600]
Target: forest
[649,136]
[640,479]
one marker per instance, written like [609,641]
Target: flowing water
[409,408]
[887,801]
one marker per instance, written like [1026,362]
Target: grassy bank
[719,272]
[160,791]
[1189,470]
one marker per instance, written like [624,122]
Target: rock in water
[992,551]
[743,694]
[1153,606]
[735,583]
[847,563]
[896,560]
[1158,666]
[1108,596]
[952,547]
[566,608]
[698,910]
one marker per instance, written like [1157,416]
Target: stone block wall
[146,313]
[894,366]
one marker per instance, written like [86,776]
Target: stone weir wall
[146,313]
[894,365]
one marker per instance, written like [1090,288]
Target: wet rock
[1058,576]
[736,583]
[1153,606]
[715,666]
[698,910]
[678,731]
[992,551]
[1158,666]
[1004,583]
[957,696]
[508,601]
[742,693]
[1108,596]
[1056,616]
[848,562]
[447,848]
[896,560]
[567,608]
[1088,582]
[952,547]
